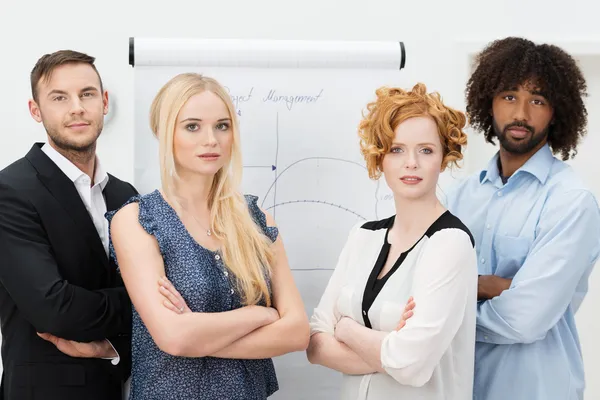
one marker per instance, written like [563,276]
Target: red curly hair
[394,106]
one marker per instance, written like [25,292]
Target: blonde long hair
[247,252]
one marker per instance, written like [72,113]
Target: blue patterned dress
[203,281]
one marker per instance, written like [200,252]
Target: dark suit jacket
[55,277]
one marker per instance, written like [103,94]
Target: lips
[78,125]
[518,130]
[209,156]
[410,180]
[518,133]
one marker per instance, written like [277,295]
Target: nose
[521,111]
[77,106]
[411,161]
[211,139]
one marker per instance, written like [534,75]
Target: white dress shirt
[432,356]
[91,195]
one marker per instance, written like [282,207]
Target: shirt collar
[71,171]
[538,165]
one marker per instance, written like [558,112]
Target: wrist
[107,350]
[262,314]
[341,329]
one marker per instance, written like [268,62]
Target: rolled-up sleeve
[565,249]
[445,278]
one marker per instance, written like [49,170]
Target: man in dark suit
[64,312]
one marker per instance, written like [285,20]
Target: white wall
[30,29]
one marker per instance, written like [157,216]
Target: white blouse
[432,357]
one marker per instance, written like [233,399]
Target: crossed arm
[564,251]
[344,354]
[51,304]
[443,282]
[248,332]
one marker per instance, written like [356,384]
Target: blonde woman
[213,252]
[423,252]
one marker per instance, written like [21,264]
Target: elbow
[63,327]
[414,369]
[170,347]
[311,350]
[173,341]
[412,375]
[294,332]
[529,333]
[298,333]
[524,330]
[168,343]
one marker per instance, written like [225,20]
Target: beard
[73,143]
[524,145]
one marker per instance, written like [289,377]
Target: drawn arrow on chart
[299,161]
[273,168]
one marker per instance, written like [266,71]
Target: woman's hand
[408,312]
[172,299]
[174,302]
[342,327]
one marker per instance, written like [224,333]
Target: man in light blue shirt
[536,226]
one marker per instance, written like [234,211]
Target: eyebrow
[418,144]
[535,92]
[56,91]
[85,89]
[192,119]
[90,89]
[538,93]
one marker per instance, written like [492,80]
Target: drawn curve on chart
[319,202]
[302,160]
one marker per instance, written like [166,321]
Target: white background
[102,29]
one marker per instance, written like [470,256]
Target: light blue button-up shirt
[542,230]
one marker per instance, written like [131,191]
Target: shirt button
[483,260]
[226,273]
[364,312]
[499,194]
[489,227]
[485,337]
[217,257]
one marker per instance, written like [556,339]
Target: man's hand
[490,286]
[96,349]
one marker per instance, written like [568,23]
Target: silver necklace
[208,232]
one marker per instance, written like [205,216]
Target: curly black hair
[507,63]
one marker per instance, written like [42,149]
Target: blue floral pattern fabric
[204,282]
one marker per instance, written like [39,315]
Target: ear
[105,102]
[34,110]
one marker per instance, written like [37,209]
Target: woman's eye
[192,127]
[223,126]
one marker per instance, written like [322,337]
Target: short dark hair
[507,63]
[49,62]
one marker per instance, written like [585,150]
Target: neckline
[391,225]
[182,225]
[402,255]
